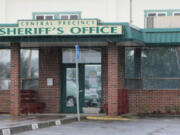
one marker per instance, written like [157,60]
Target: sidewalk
[12,125]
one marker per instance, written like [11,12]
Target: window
[64,17]
[176,13]
[151,14]
[161,14]
[5,69]
[29,68]
[44,17]
[73,17]
[86,55]
[40,17]
[49,17]
[68,16]
[160,69]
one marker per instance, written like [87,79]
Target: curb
[38,125]
[107,118]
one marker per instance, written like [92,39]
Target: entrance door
[89,87]
[69,88]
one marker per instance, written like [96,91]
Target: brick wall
[15,79]
[4,101]
[156,99]
[49,67]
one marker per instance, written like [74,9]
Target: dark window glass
[49,17]
[176,14]
[161,14]
[73,17]
[152,14]
[64,17]
[39,17]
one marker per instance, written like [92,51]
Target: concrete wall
[167,22]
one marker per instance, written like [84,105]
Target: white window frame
[175,13]
[45,16]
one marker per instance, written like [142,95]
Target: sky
[140,5]
[88,8]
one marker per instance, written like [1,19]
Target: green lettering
[113,29]
[103,30]
[2,31]
[60,30]
[20,31]
[11,31]
[75,30]
[28,31]
[85,29]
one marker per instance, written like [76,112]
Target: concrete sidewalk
[12,125]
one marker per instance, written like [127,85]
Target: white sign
[49,81]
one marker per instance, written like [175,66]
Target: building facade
[121,68]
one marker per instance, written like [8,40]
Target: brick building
[115,61]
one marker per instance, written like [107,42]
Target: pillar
[15,79]
[104,80]
[112,79]
[137,68]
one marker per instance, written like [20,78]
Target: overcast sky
[140,5]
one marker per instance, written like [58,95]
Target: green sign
[60,27]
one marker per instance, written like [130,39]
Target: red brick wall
[156,99]
[112,63]
[4,101]
[15,79]
[49,67]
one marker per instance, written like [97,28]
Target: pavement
[11,125]
[145,126]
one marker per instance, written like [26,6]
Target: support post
[15,80]
[112,79]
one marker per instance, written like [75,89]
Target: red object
[123,106]
[29,102]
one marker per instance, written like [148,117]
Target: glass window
[64,17]
[4,69]
[73,17]
[177,14]
[160,69]
[151,14]
[161,14]
[40,17]
[29,68]
[49,17]
[86,55]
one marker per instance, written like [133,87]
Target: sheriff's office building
[122,68]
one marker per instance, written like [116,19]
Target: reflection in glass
[86,56]
[71,87]
[4,69]
[93,90]
[5,84]
[29,68]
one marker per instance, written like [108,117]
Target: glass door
[93,89]
[69,88]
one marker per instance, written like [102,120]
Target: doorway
[90,89]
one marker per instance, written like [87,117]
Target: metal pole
[131,21]
[77,83]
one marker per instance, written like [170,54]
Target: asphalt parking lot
[148,126]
